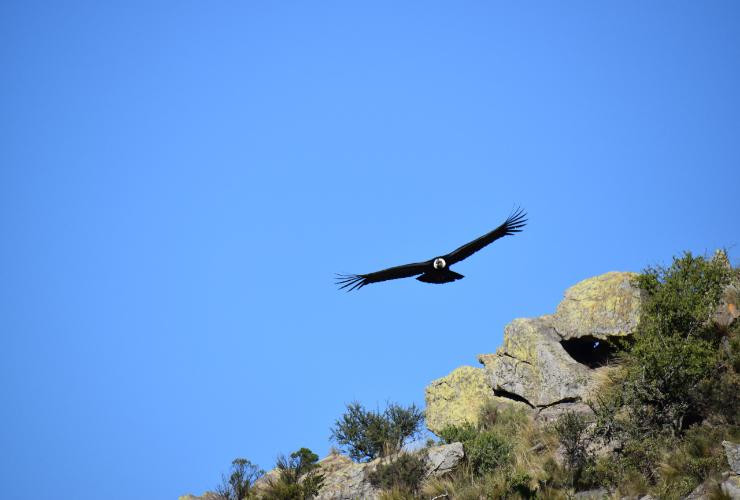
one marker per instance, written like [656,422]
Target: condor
[436,270]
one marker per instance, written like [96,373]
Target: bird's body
[439,276]
[436,270]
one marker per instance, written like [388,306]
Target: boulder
[443,459]
[458,398]
[533,365]
[597,494]
[561,359]
[604,306]
[702,491]
[547,363]
[731,487]
[345,479]
[732,452]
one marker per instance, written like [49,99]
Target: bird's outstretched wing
[512,225]
[356,281]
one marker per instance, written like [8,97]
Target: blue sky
[180,180]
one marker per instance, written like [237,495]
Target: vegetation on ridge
[367,434]
[655,428]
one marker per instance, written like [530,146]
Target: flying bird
[436,270]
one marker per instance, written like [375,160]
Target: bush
[238,484]
[487,451]
[572,431]
[680,370]
[404,473]
[366,435]
[458,433]
[676,348]
[297,479]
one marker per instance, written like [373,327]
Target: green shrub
[298,477]
[687,463]
[366,435]
[487,451]
[676,348]
[405,473]
[572,431]
[238,484]
[520,484]
[496,452]
[680,370]
[458,433]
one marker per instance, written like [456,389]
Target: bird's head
[439,263]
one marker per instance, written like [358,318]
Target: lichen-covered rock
[554,412]
[597,494]
[732,452]
[456,398]
[459,398]
[603,306]
[345,479]
[731,487]
[443,459]
[533,365]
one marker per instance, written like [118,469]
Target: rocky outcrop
[601,307]
[731,483]
[458,398]
[443,459]
[732,453]
[533,365]
[731,487]
[345,479]
[548,363]
[562,358]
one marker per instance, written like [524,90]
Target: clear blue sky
[180,180]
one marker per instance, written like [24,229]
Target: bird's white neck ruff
[439,263]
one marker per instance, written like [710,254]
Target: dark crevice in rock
[560,401]
[590,351]
[510,395]
[516,359]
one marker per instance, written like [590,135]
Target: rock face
[731,487]
[547,362]
[533,365]
[345,479]
[443,459]
[561,358]
[458,398]
[600,307]
[732,452]
[350,480]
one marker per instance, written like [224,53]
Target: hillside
[629,389]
